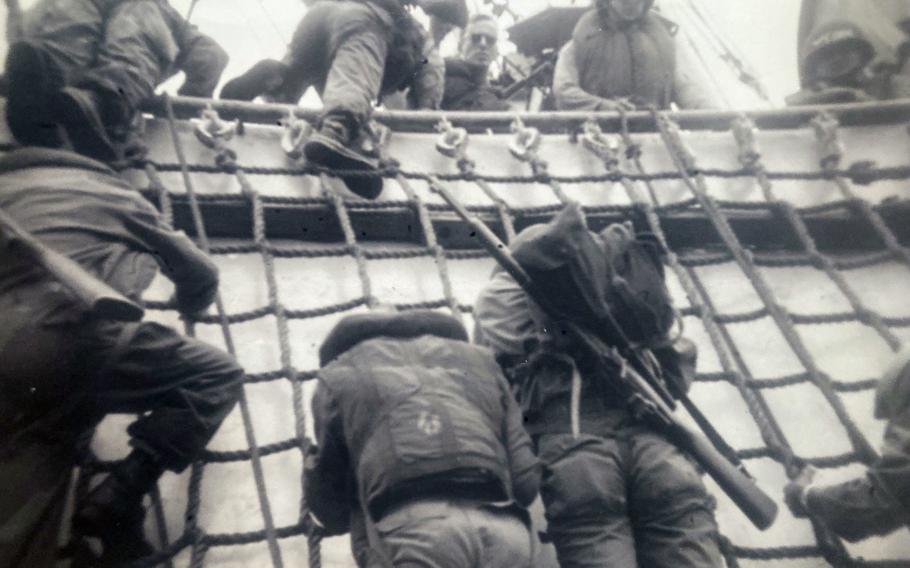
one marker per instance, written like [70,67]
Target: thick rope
[750,157]
[831,151]
[685,162]
[432,244]
[226,158]
[830,546]
[698,299]
[256,462]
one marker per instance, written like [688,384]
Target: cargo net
[792,280]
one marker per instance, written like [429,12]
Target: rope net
[786,260]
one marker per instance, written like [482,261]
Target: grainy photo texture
[455,283]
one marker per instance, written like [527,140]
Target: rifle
[101,300]
[642,396]
[537,73]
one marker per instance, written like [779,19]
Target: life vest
[637,61]
[416,401]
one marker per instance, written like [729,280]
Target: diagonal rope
[698,299]
[192,533]
[831,547]
[750,157]
[428,233]
[353,247]
[243,403]
[685,162]
[227,160]
[831,151]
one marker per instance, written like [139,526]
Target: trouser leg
[424,534]
[505,539]
[40,435]
[438,533]
[137,52]
[673,514]
[33,79]
[359,44]
[36,481]
[583,491]
[185,388]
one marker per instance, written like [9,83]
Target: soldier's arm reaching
[326,468]
[193,273]
[854,510]
[427,87]
[525,468]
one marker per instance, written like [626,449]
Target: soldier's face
[480,42]
[627,10]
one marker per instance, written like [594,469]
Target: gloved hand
[311,524]
[678,361]
[795,492]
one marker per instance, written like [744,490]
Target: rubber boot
[113,511]
[338,146]
[82,114]
[32,79]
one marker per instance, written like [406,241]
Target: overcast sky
[764,31]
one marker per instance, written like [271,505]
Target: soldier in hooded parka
[623,55]
[615,491]
[420,446]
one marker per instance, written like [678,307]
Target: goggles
[483,39]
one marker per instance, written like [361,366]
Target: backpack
[637,291]
[589,277]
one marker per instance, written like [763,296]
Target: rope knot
[526,141]
[604,147]
[451,141]
[226,159]
[744,131]
[831,149]
[388,167]
[467,167]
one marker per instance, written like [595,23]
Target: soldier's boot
[340,145]
[262,78]
[113,511]
[32,79]
[83,114]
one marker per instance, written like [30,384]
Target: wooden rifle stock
[742,490]
[100,299]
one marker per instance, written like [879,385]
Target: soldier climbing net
[676,202]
